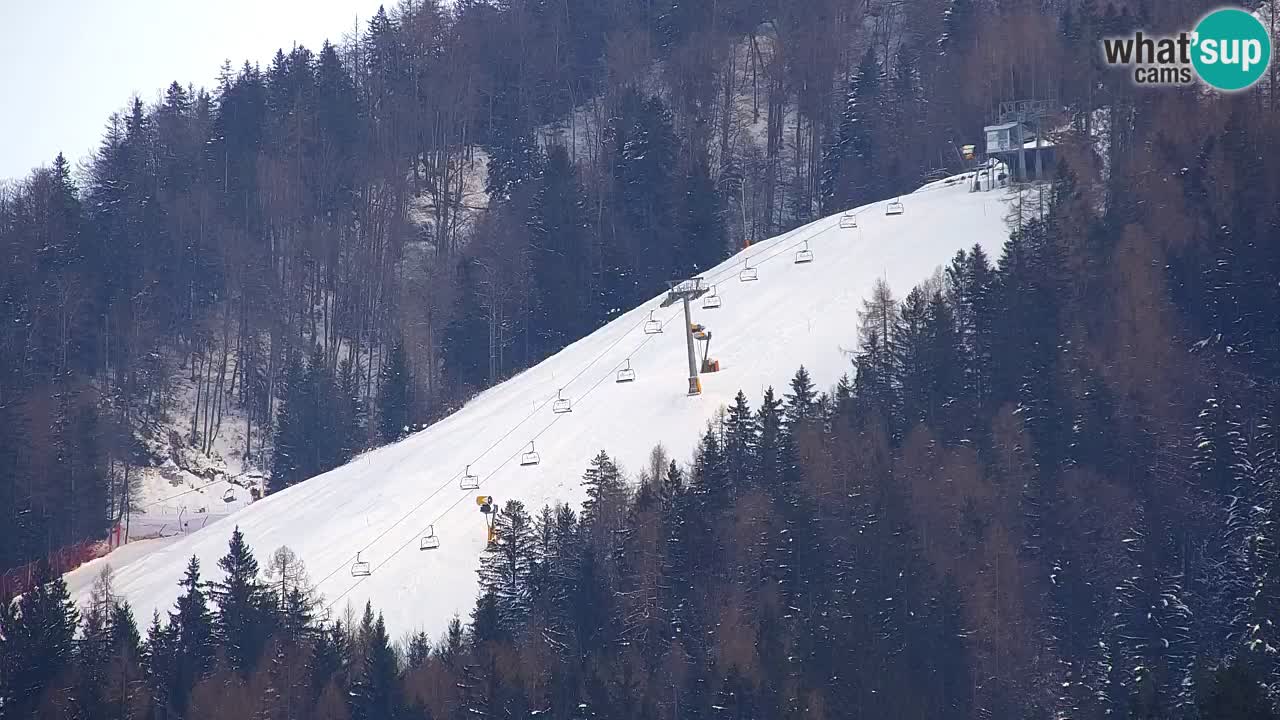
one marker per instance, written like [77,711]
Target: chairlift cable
[728,271]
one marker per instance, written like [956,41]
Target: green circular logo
[1231,49]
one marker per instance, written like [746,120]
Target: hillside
[382,503]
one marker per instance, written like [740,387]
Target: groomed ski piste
[381,504]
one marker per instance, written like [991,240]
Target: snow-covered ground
[381,504]
[190,488]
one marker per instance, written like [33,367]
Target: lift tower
[687,291]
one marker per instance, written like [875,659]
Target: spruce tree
[944,400]
[124,677]
[351,415]
[125,639]
[328,660]
[909,358]
[515,160]
[320,416]
[376,694]
[702,240]
[741,441]
[289,458]
[418,651]
[395,392]
[604,488]
[183,652]
[560,255]
[36,633]
[94,653]
[453,644]
[507,567]
[801,402]
[244,605]
[711,482]
[774,450]
[850,163]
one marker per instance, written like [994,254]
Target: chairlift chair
[894,208]
[469,481]
[562,404]
[653,326]
[626,374]
[530,458]
[711,300]
[804,255]
[229,496]
[849,220]
[748,274]
[429,541]
[360,568]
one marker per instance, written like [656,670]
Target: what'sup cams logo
[1230,50]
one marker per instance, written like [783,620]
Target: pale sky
[65,65]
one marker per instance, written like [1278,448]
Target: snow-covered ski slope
[382,503]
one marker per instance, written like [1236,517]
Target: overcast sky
[65,65]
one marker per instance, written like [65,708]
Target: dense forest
[1048,486]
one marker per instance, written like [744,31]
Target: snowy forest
[1048,487]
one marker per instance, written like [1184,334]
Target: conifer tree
[909,358]
[320,416]
[560,255]
[95,649]
[183,652]
[515,160]
[604,488]
[376,694]
[741,441]
[289,459]
[351,416]
[124,677]
[849,164]
[452,644]
[507,567]
[711,482]
[801,402]
[244,605]
[775,444]
[970,282]
[418,651]
[702,239]
[36,633]
[328,660]
[125,639]
[395,394]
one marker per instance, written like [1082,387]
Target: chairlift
[711,300]
[360,568]
[626,374]
[894,208]
[562,404]
[849,220]
[748,274]
[469,481]
[653,326]
[530,458]
[429,541]
[229,496]
[804,255]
